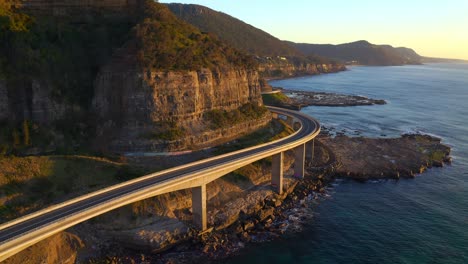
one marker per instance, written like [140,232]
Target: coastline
[306,98]
[301,75]
[276,215]
[216,237]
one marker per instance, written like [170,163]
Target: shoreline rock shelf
[305,98]
[243,207]
[356,158]
[382,158]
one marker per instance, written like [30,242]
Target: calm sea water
[421,220]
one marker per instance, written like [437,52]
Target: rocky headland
[363,158]
[283,67]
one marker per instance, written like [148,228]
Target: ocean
[420,220]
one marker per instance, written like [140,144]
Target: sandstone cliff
[3,100]
[30,100]
[131,105]
[283,68]
[129,71]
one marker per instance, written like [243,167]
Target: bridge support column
[312,153]
[199,206]
[310,149]
[277,172]
[299,161]
[290,121]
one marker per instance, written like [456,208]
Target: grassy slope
[31,183]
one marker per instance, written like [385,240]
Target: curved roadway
[25,231]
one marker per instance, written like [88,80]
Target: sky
[433,28]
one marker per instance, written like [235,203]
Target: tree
[10,19]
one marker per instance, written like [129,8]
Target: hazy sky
[435,28]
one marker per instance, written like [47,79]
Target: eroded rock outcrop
[3,100]
[282,68]
[378,158]
[31,100]
[131,105]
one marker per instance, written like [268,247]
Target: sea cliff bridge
[25,231]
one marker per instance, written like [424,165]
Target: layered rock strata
[286,69]
[30,100]
[130,105]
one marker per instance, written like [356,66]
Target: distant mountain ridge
[442,60]
[362,52]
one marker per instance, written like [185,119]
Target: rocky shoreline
[296,99]
[303,98]
[363,158]
[241,211]
[273,216]
[242,206]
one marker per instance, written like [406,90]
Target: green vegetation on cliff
[63,54]
[10,20]
[276,57]
[275,99]
[69,54]
[223,118]
[57,59]
[31,183]
[165,42]
[237,33]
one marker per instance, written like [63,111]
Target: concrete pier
[277,172]
[299,161]
[199,206]
[290,121]
[310,150]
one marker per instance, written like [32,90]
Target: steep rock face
[3,100]
[43,108]
[133,104]
[284,69]
[29,100]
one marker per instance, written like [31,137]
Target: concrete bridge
[30,229]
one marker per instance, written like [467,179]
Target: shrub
[223,118]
